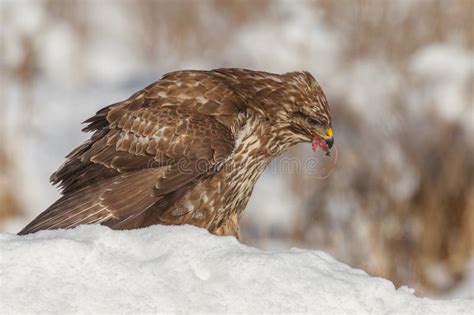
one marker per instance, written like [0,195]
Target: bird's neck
[260,139]
[256,145]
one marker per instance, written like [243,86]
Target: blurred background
[399,76]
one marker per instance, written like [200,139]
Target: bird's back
[145,153]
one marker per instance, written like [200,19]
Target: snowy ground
[185,269]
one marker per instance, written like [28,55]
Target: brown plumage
[187,149]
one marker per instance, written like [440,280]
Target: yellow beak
[329,138]
[329,133]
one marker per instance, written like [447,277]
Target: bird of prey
[186,149]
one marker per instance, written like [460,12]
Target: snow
[185,269]
[273,213]
[466,288]
[288,38]
[446,74]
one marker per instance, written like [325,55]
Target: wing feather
[145,153]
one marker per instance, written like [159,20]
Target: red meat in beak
[324,144]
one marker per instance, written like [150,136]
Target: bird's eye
[313,121]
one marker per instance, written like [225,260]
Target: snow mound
[94,269]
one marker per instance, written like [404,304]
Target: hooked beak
[329,139]
[325,143]
[329,142]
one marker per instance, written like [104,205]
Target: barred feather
[186,149]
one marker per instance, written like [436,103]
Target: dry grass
[9,203]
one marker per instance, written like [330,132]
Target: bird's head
[293,103]
[305,111]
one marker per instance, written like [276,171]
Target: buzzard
[186,149]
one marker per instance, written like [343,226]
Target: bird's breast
[226,193]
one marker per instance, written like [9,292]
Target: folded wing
[143,151]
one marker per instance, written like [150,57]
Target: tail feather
[118,198]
